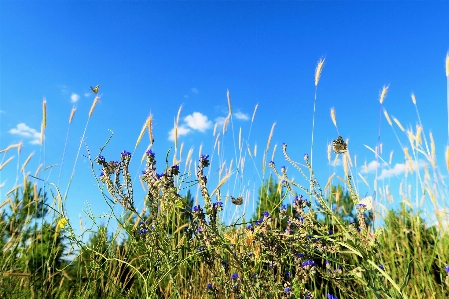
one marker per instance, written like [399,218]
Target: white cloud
[220,120]
[27,132]
[198,121]
[86,94]
[182,130]
[193,122]
[195,90]
[241,116]
[400,168]
[74,97]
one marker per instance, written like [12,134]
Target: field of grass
[305,240]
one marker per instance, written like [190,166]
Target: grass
[303,241]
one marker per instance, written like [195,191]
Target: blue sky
[152,57]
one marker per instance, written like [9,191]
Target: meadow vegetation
[304,240]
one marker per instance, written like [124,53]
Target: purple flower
[308,263]
[447,269]
[330,296]
[266,214]
[234,276]
[287,290]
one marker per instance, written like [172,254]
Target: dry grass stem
[274,152]
[318,70]
[334,119]
[72,114]
[329,148]
[269,137]
[10,147]
[387,117]
[26,162]
[228,94]
[255,149]
[399,124]
[215,129]
[383,94]
[97,98]
[44,112]
[6,162]
[254,113]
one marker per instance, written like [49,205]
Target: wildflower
[306,157]
[209,286]
[447,269]
[287,290]
[382,267]
[143,231]
[330,296]
[308,263]
[126,154]
[288,273]
[234,276]
[283,169]
[197,208]
[204,160]
[150,153]
[331,232]
[271,164]
[249,226]
[283,208]
[218,205]
[266,214]
[62,222]
[201,248]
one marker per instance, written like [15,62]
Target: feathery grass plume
[383,94]
[274,152]
[215,129]
[72,114]
[150,128]
[387,117]
[447,157]
[249,151]
[407,155]
[413,99]
[144,127]
[36,198]
[189,157]
[418,135]
[176,127]
[240,139]
[329,147]
[12,190]
[255,150]
[399,124]
[363,179]
[228,94]
[93,105]
[334,119]
[318,70]
[432,148]
[216,140]
[225,123]
[269,137]
[38,169]
[254,113]
[10,147]
[44,113]
[7,161]
[365,167]
[26,162]
[180,150]
[42,134]
[391,157]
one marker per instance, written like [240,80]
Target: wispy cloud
[193,122]
[195,90]
[241,116]
[74,97]
[398,168]
[24,131]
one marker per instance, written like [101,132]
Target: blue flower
[266,214]
[234,276]
[308,263]
[283,207]
[287,290]
[150,153]
[209,286]
[382,267]
[447,269]
[330,296]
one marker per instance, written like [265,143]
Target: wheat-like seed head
[144,127]
[216,140]
[240,139]
[249,151]
[334,119]
[254,113]
[408,158]
[215,129]
[318,70]
[42,133]
[413,99]
[228,94]
[180,151]
[225,123]
[329,147]
[383,94]
[387,117]
[269,137]
[255,150]
[44,113]
[365,167]
[93,105]
[274,152]
[432,148]
[399,124]
[6,162]
[418,135]
[189,156]
[391,157]
[72,114]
